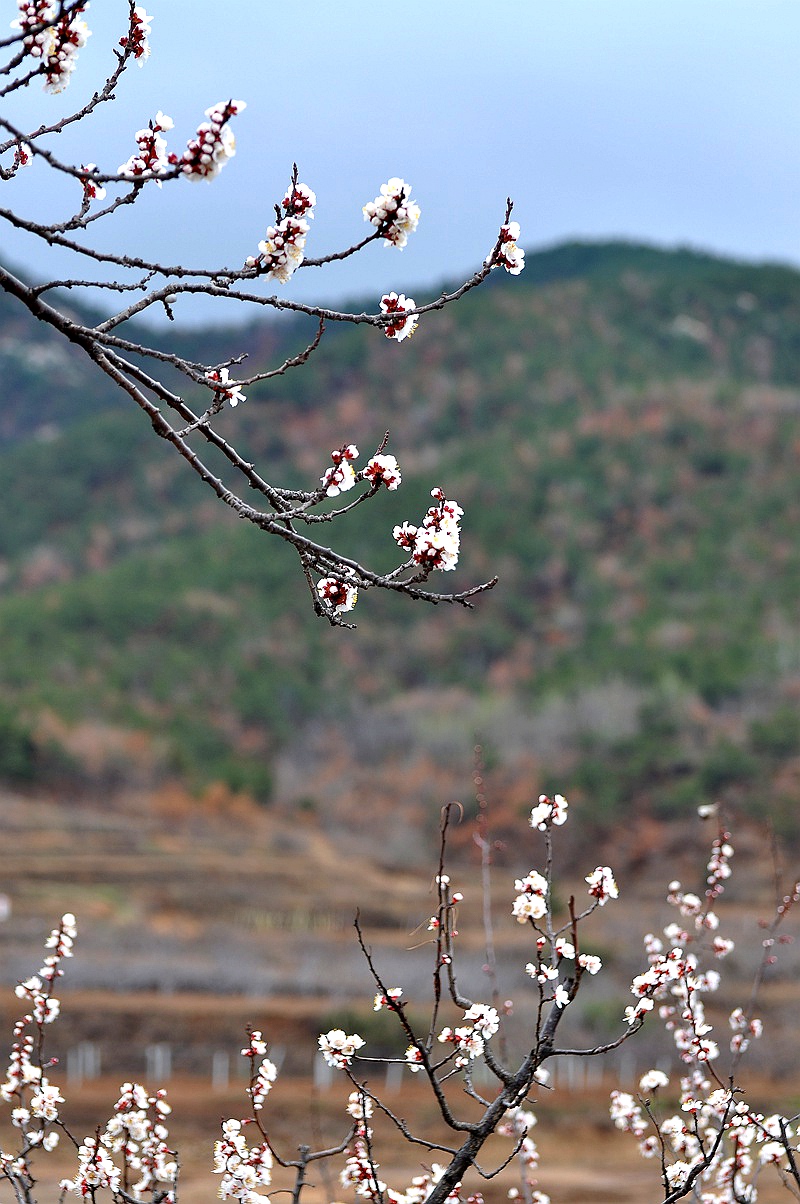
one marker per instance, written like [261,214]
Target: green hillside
[622,427]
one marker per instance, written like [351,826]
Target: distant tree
[43,48]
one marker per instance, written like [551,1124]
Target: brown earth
[583,1159]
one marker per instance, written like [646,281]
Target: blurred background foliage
[622,428]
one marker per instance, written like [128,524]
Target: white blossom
[531,901]
[340,476]
[151,158]
[138,35]
[507,254]
[213,144]
[338,596]
[484,1018]
[394,215]
[413,1059]
[45,1100]
[219,379]
[403,323]
[392,996]
[549,811]
[339,1049]
[602,886]
[56,41]
[283,247]
[652,1080]
[383,470]
[435,543]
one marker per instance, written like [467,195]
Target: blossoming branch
[45,44]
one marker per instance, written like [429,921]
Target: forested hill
[622,427]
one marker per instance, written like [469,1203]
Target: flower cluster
[744,1027]
[138,1135]
[517,1124]
[422,1185]
[299,201]
[394,215]
[23,156]
[664,970]
[338,596]
[602,885]
[413,1056]
[435,543]
[533,903]
[627,1114]
[263,1079]
[651,1080]
[549,811]
[243,1169]
[212,146]
[711,1138]
[339,1049]
[507,254]
[135,1132]
[707,1115]
[403,323]
[383,470]
[341,475]
[543,973]
[470,1038]
[685,1018]
[53,39]
[33,1097]
[468,1043]
[151,159]
[564,950]
[137,36]
[531,900]
[360,1169]
[224,387]
[389,1000]
[92,190]
[484,1019]
[283,247]
[32,15]
[96,1168]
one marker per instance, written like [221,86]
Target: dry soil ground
[583,1159]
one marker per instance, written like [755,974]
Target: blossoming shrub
[710,1144]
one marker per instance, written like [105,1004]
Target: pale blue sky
[673,121]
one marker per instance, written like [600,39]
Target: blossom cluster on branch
[434,544]
[283,247]
[392,213]
[46,38]
[54,37]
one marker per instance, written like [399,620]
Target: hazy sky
[673,121]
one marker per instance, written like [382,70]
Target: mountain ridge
[624,442]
